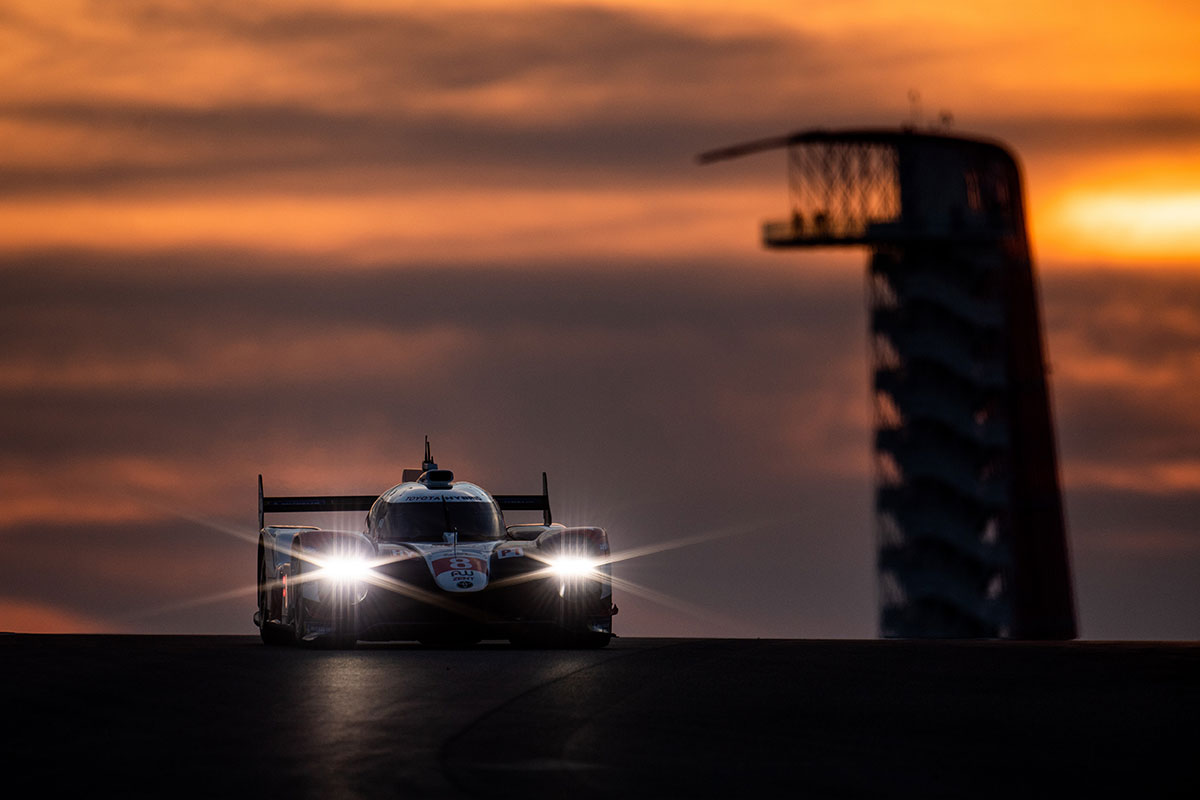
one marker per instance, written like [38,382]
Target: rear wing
[363,502]
[527,502]
[284,505]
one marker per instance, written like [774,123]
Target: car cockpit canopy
[425,511]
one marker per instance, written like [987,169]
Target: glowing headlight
[573,567]
[347,569]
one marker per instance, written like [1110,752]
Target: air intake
[437,478]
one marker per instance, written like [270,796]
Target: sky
[294,238]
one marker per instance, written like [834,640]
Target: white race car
[435,563]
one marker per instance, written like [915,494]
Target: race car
[435,563]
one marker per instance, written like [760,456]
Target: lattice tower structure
[970,527]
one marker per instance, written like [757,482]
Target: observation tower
[969,515]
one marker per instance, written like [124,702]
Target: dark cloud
[293,146]
[629,366]
[664,400]
[184,576]
[1149,316]
[1124,345]
[565,96]
[407,99]
[194,290]
[1135,556]
[287,148]
[117,573]
[1079,135]
[400,52]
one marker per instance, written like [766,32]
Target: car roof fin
[427,464]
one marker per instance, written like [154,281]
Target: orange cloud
[229,362]
[151,125]
[26,616]
[423,226]
[1169,543]
[122,489]
[1165,476]
[365,143]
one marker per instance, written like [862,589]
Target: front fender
[311,551]
[582,541]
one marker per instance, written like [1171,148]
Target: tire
[345,624]
[271,633]
[344,635]
[573,631]
[299,608]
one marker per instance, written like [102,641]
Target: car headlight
[347,569]
[573,567]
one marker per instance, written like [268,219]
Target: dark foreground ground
[214,716]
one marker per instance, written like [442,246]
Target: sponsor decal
[458,562]
[460,572]
[452,565]
[421,497]
[509,552]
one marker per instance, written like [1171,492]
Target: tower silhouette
[969,516]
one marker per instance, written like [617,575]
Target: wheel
[272,633]
[299,605]
[344,635]
[574,631]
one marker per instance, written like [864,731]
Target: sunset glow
[293,238]
[1133,225]
[264,91]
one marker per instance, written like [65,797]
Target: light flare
[568,566]
[345,568]
[574,567]
[596,564]
[708,615]
[196,602]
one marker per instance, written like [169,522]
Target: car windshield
[474,521]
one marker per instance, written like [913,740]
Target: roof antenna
[427,464]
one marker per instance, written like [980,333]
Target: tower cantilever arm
[849,136]
[744,149]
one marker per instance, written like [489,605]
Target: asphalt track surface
[228,716]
